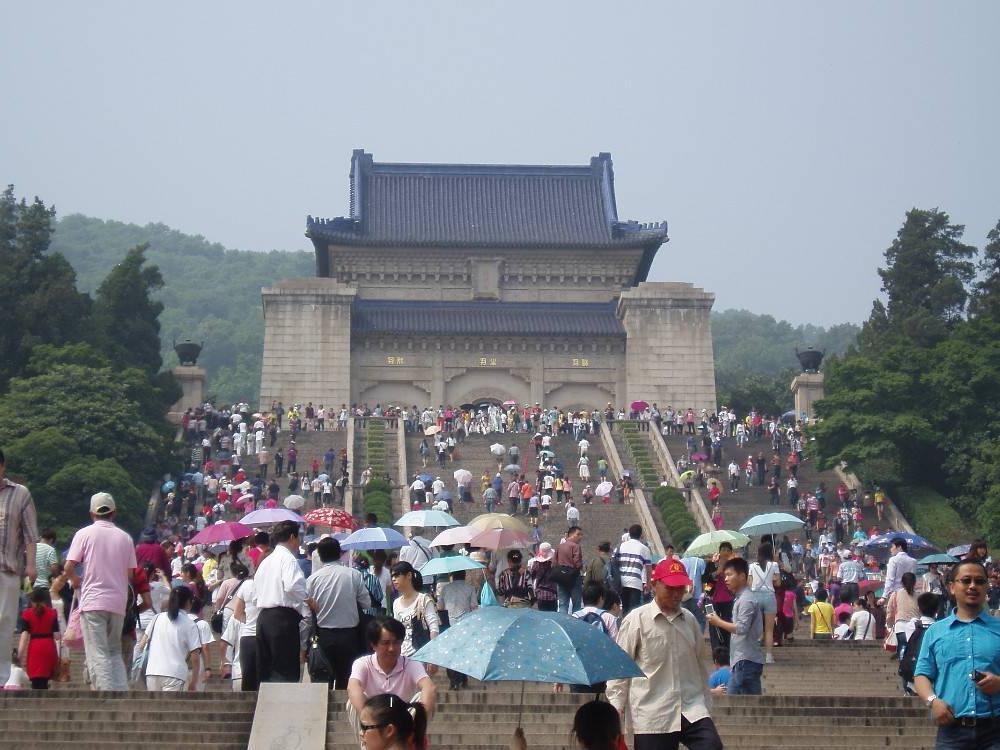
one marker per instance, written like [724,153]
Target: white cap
[102,504]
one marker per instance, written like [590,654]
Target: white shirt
[572,515]
[437,486]
[250,609]
[169,645]
[279,582]
[762,579]
[898,564]
[633,559]
[339,591]
[418,553]
[863,625]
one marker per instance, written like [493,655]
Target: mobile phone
[976,675]
[709,609]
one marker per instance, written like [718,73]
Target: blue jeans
[573,594]
[744,678]
[968,738]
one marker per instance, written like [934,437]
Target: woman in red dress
[39,628]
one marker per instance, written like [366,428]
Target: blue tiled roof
[485,318]
[471,205]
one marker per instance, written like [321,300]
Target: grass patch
[932,517]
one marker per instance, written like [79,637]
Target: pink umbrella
[639,405]
[455,535]
[500,539]
[225,531]
[699,457]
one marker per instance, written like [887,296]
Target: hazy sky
[783,141]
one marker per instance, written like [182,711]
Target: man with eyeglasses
[958,671]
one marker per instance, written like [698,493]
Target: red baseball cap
[671,573]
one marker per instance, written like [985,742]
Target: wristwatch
[930,699]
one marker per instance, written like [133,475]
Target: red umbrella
[336,518]
[221,532]
[639,405]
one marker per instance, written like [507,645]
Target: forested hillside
[212,294]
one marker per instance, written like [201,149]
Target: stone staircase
[599,522]
[750,501]
[310,445]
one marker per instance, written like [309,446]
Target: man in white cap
[108,559]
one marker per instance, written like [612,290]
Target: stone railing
[892,513]
[404,477]
[696,504]
[616,468]
[349,491]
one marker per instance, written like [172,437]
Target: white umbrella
[497,450]
[463,476]
[455,535]
[603,489]
[294,502]
[432,430]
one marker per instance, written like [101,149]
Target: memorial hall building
[464,283]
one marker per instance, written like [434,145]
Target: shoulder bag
[320,669]
[216,621]
[138,672]
[420,632]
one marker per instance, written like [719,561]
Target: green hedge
[378,485]
[379,503]
[932,516]
[682,528]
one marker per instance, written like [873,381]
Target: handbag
[320,669]
[64,667]
[73,637]
[137,673]
[487,598]
[564,575]
[420,634]
[216,621]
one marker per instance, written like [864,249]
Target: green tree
[924,280]
[67,493]
[40,302]
[126,317]
[986,296]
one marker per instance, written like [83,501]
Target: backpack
[595,619]
[613,574]
[908,663]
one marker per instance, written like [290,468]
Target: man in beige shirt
[670,705]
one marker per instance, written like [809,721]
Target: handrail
[892,513]
[349,491]
[638,495]
[403,475]
[692,497]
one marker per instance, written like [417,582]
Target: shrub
[379,503]
[673,511]
[932,517]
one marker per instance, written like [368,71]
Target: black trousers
[248,663]
[341,646]
[701,735]
[278,645]
[718,636]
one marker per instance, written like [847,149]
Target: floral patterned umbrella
[336,518]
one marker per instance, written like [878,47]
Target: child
[843,630]
[718,680]
[39,628]
[18,679]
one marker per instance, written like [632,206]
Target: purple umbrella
[221,532]
[699,457]
[270,516]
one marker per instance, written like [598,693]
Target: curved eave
[638,239]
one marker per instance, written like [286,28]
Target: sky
[782,141]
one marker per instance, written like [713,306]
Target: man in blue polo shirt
[958,671]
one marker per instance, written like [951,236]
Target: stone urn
[187,352]
[809,359]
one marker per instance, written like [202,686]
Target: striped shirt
[633,557]
[18,526]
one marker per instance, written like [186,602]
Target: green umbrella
[940,558]
[708,544]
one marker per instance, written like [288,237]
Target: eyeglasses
[366,727]
[968,581]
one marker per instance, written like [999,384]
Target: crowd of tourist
[170,616]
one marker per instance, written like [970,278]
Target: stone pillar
[807,388]
[668,349]
[307,343]
[192,381]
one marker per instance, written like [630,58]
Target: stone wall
[668,359]
[521,275]
[307,342]
[431,370]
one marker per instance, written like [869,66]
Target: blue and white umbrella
[442,566]
[426,519]
[771,523]
[375,538]
[914,543]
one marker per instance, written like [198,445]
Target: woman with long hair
[597,725]
[901,608]
[765,574]
[173,637]
[387,722]
[415,609]
[39,628]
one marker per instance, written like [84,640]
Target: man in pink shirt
[108,559]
